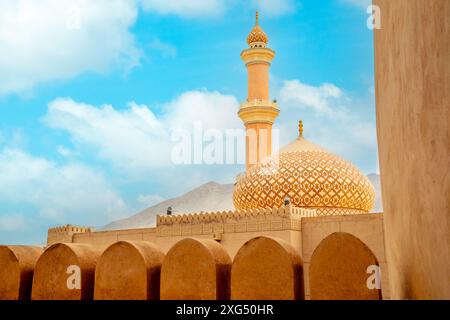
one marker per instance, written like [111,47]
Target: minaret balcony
[257,55]
[258,111]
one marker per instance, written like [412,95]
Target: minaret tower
[258,113]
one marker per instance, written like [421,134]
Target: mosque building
[301,229]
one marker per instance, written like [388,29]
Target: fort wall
[299,228]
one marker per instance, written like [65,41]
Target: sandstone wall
[366,227]
[412,80]
[277,244]
[196,269]
[65,233]
[16,271]
[265,267]
[65,271]
[129,270]
[338,269]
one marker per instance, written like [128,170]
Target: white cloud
[51,40]
[132,138]
[149,200]
[47,40]
[331,119]
[185,8]
[272,8]
[135,139]
[213,109]
[354,140]
[56,193]
[326,98]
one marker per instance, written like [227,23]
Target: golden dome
[257,35]
[310,176]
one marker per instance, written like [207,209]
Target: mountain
[210,196]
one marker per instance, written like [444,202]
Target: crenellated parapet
[224,216]
[65,233]
[216,223]
[69,228]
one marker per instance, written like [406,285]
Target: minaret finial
[300,128]
[257,17]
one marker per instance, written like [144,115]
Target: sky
[91,93]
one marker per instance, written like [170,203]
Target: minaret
[258,113]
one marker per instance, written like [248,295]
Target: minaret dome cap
[257,37]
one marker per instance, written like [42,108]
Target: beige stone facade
[128,270]
[257,275]
[412,75]
[16,271]
[298,227]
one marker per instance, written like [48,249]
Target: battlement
[238,221]
[225,216]
[69,228]
[65,233]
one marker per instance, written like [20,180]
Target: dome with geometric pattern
[257,37]
[310,176]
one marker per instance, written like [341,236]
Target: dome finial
[257,38]
[300,128]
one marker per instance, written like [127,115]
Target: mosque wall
[104,239]
[232,229]
[296,234]
[230,238]
[413,101]
[366,227]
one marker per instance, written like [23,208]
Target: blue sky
[90,91]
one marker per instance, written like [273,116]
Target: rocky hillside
[210,196]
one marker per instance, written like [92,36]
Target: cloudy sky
[91,92]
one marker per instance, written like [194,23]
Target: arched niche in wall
[65,271]
[129,270]
[342,267]
[267,268]
[196,269]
